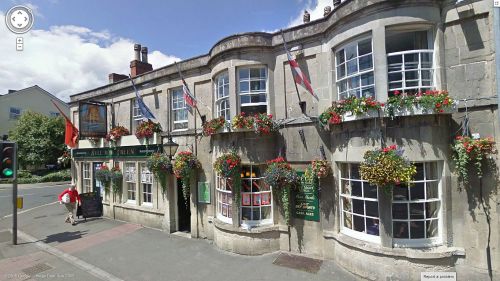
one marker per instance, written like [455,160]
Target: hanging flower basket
[213,126]
[94,141]
[116,133]
[147,129]
[386,168]
[469,152]
[103,174]
[116,180]
[317,170]
[261,123]
[242,121]
[350,109]
[159,165]
[228,166]
[185,164]
[282,177]
[428,102]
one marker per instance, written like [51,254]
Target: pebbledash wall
[433,226]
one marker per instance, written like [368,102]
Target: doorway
[183,210]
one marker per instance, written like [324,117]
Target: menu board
[204,192]
[306,201]
[91,205]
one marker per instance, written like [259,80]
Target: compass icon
[19,19]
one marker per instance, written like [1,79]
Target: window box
[349,116]
[86,143]
[420,110]
[131,140]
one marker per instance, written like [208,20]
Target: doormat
[298,262]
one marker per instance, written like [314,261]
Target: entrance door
[183,210]
[97,186]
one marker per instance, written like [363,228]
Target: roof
[40,89]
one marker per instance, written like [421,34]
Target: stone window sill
[255,230]
[412,253]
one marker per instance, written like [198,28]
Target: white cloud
[66,60]
[315,8]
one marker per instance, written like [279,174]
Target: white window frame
[250,91]
[55,114]
[423,242]
[224,199]
[358,73]
[136,115]
[146,185]
[221,91]
[130,176]
[86,177]
[15,113]
[255,223]
[178,104]
[351,232]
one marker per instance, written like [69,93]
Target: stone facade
[459,38]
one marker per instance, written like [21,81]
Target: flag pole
[293,76]
[184,82]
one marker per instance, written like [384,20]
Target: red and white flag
[299,77]
[188,97]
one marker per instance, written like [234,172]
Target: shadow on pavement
[64,236]
[82,220]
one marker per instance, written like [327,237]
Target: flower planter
[418,110]
[239,130]
[131,140]
[349,116]
[89,144]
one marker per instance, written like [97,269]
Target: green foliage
[40,139]
[185,164]
[159,165]
[25,174]
[469,152]
[104,176]
[386,167]
[116,180]
[357,106]
[228,166]
[24,177]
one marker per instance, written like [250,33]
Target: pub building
[359,48]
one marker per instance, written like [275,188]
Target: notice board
[306,200]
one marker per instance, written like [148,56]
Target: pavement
[105,249]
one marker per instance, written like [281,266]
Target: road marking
[94,270]
[25,211]
[29,194]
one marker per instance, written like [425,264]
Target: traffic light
[8,160]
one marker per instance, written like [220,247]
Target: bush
[24,174]
[63,175]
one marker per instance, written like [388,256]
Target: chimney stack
[327,11]
[138,66]
[115,77]
[137,51]
[144,53]
[307,17]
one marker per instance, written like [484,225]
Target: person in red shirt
[73,197]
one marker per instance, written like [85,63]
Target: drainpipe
[496,26]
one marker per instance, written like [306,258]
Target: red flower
[396,93]
[445,102]
[438,105]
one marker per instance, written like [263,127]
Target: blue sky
[69,36]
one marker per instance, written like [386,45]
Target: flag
[188,97]
[71,132]
[298,75]
[146,113]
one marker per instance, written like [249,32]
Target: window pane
[372,226]
[258,85]
[365,62]
[420,171]
[368,92]
[266,213]
[426,60]
[411,61]
[350,52]
[347,220]
[367,79]
[256,214]
[340,57]
[365,46]
[244,73]
[245,99]
[432,209]
[395,76]
[400,211]
[345,187]
[355,171]
[356,189]
[431,171]
[417,229]
[400,193]
[417,191]
[416,210]
[352,67]
[357,207]
[353,83]
[359,223]
[370,191]
[246,213]
[432,228]
[342,86]
[400,229]
[432,190]
[411,75]
[244,87]
[347,204]
[371,208]
[256,73]
[341,71]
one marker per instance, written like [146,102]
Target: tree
[40,139]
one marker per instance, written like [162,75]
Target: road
[34,195]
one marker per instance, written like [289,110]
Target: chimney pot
[327,11]
[336,3]
[137,51]
[12,91]
[144,52]
[307,17]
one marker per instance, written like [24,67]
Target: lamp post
[170,148]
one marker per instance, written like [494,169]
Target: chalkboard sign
[91,205]
[306,201]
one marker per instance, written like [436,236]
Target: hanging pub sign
[306,201]
[93,119]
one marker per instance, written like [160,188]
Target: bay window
[256,198]
[224,196]
[354,69]
[252,90]
[222,96]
